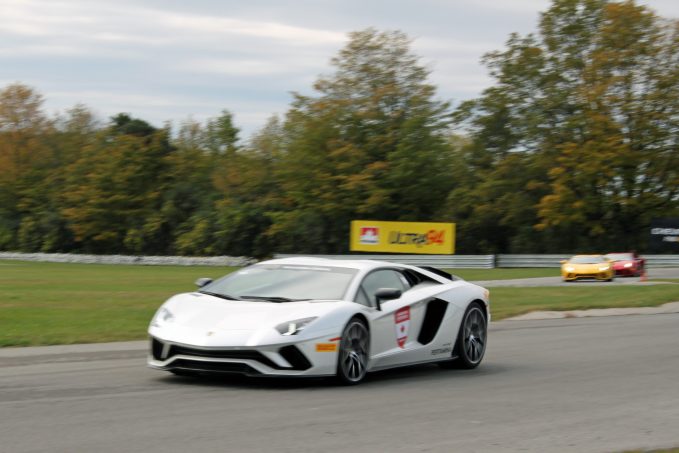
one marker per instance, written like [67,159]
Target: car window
[585,259]
[385,278]
[620,256]
[285,281]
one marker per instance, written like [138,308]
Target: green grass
[670,280]
[504,273]
[512,301]
[54,303]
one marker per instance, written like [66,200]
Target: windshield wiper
[272,298]
[221,296]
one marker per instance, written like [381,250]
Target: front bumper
[626,271]
[572,276]
[275,360]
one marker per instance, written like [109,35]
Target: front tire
[352,360]
[470,346]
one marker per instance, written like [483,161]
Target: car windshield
[587,259]
[620,256]
[283,283]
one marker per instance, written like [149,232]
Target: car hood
[202,311]
[586,268]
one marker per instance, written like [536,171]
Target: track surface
[605,384]
[557,281]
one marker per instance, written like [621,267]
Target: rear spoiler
[440,272]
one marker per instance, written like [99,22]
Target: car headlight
[628,265]
[604,268]
[163,316]
[570,269]
[294,327]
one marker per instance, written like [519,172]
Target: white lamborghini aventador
[321,317]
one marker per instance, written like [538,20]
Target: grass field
[512,301]
[53,303]
[504,274]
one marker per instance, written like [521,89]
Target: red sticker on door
[402,320]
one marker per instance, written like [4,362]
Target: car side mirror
[203,281]
[384,294]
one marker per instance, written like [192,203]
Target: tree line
[574,147]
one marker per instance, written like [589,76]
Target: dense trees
[371,144]
[587,110]
[574,147]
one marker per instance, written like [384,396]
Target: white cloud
[512,7]
[232,26]
[24,51]
[162,60]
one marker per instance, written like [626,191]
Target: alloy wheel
[353,360]
[474,335]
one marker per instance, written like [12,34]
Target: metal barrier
[441,261]
[529,260]
[662,260]
[485,261]
[127,259]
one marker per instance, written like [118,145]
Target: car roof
[363,266]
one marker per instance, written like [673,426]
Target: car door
[394,327]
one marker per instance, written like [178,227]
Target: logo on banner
[369,235]
[402,320]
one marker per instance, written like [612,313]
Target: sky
[172,60]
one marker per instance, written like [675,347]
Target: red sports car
[628,264]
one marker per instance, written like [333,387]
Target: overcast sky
[169,60]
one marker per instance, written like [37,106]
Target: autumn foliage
[574,147]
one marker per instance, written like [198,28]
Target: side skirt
[421,362]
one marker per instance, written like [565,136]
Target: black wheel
[352,360]
[470,345]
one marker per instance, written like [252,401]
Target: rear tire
[470,346]
[352,359]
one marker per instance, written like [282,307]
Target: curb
[670,307]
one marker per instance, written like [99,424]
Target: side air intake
[433,317]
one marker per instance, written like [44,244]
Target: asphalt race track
[591,384]
[557,281]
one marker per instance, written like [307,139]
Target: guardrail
[662,260]
[441,261]
[529,260]
[485,261]
[236,261]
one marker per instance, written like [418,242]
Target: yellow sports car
[595,267]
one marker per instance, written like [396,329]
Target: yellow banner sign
[402,237]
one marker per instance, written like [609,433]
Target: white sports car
[321,317]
